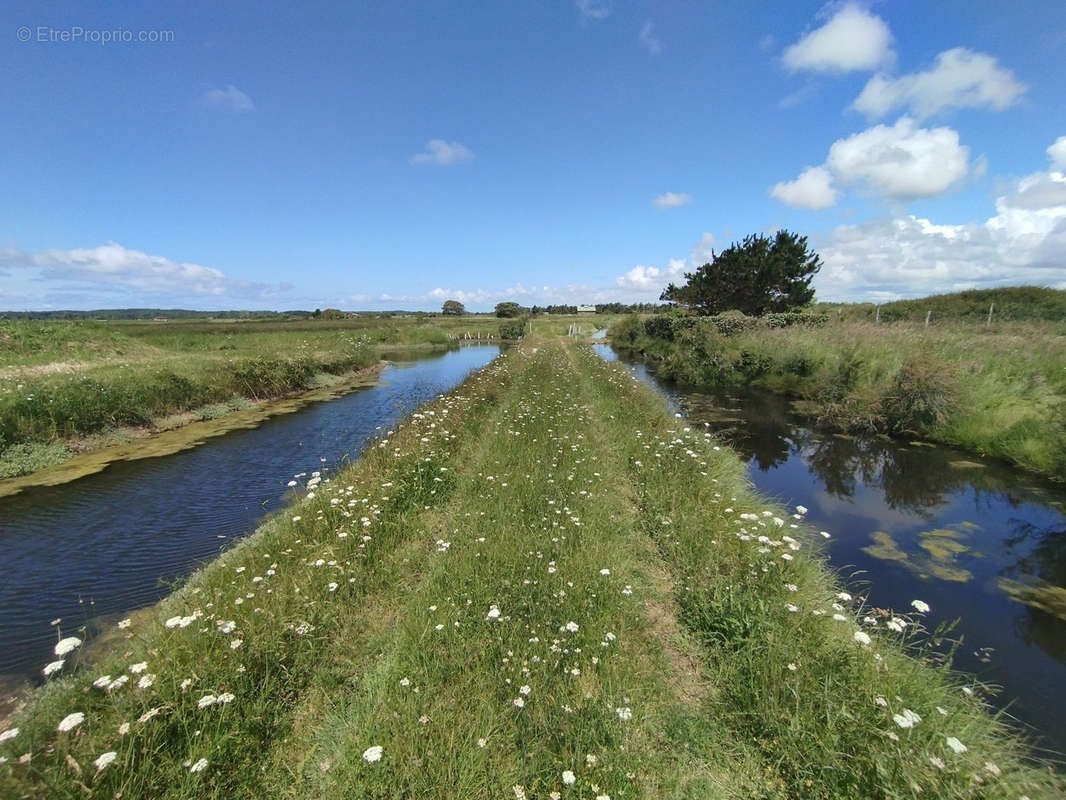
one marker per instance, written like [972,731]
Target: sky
[388,154]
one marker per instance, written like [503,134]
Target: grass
[999,391]
[546,533]
[66,385]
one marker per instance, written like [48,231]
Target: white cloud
[229,99]
[593,9]
[115,269]
[1042,190]
[854,39]
[960,78]
[813,189]
[651,279]
[672,200]
[441,153]
[648,40]
[703,251]
[897,162]
[1024,242]
[901,162]
[1057,152]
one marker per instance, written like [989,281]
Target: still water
[117,540]
[911,521]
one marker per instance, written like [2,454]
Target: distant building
[586,309]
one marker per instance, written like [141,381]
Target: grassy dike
[540,583]
[999,391]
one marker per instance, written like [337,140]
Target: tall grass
[999,391]
[540,583]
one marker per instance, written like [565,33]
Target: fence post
[928,314]
[877,316]
[991,308]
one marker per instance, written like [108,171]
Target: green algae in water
[942,545]
[886,548]
[942,549]
[1044,596]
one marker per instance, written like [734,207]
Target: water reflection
[117,540]
[918,521]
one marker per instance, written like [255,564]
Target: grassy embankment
[74,387]
[998,390]
[541,573]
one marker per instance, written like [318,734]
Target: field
[540,585]
[998,390]
[69,387]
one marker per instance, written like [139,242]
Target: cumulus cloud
[1024,242]
[229,99]
[853,39]
[960,78]
[651,279]
[902,161]
[898,162]
[813,189]
[593,9]
[648,40]
[1057,152]
[703,251]
[672,200]
[442,154]
[119,269]
[1039,191]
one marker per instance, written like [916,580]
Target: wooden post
[877,316]
[928,314]
[991,308]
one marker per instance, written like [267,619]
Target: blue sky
[396,154]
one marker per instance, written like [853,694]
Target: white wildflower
[908,719]
[53,666]
[861,637]
[372,754]
[920,607]
[569,778]
[71,721]
[199,766]
[956,745]
[206,700]
[104,759]
[64,646]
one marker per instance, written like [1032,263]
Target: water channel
[107,543]
[914,521]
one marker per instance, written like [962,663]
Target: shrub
[513,330]
[627,330]
[921,398]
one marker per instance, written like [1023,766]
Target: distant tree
[508,310]
[331,313]
[759,276]
[453,308]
